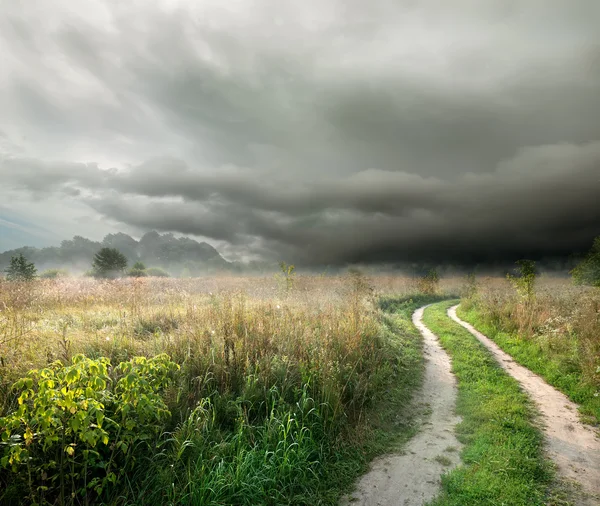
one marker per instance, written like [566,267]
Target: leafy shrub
[137,273]
[524,280]
[287,276]
[54,273]
[428,284]
[587,271]
[77,428]
[157,272]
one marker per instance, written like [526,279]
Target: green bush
[587,271]
[54,273]
[137,273]
[428,284]
[78,428]
[157,272]
[524,280]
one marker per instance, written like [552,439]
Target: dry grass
[222,326]
[262,355]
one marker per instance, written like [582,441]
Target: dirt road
[413,478]
[573,446]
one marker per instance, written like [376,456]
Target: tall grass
[275,398]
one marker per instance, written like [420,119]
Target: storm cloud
[321,133]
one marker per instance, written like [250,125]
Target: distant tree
[587,272]
[20,269]
[109,263]
[138,265]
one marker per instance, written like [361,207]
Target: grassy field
[250,390]
[262,390]
[503,460]
[556,334]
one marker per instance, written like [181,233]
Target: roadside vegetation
[554,332]
[503,460]
[201,391]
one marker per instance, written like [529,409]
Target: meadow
[228,390]
[242,390]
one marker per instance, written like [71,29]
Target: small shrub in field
[20,269]
[54,274]
[588,270]
[428,284]
[157,272]
[78,427]
[524,281]
[286,276]
[137,273]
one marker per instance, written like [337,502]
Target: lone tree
[20,269]
[109,263]
[587,272]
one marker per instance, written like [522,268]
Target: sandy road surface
[573,446]
[413,478]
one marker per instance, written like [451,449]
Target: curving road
[413,478]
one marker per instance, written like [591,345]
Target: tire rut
[414,477]
[573,446]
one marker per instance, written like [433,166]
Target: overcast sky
[318,132]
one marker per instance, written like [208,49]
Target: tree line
[110,263]
[173,254]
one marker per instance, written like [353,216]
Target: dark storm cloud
[543,201]
[322,132]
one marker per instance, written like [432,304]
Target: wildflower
[107,338]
